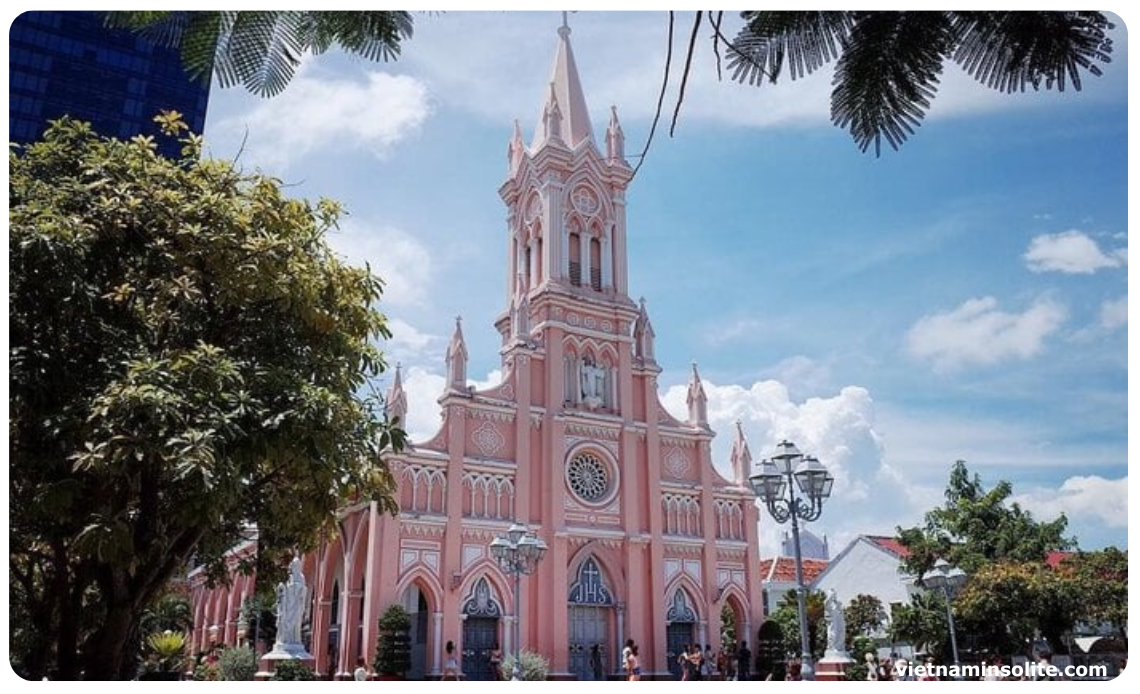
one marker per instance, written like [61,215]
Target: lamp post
[947,578]
[814,482]
[518,553]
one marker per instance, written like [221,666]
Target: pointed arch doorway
[481,613]
[416,604]
[591,606]
[680,629]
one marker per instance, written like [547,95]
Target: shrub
[238,664]
[394,648]
[293,671]
[168,650]
[533,669]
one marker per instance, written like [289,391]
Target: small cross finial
[564,30]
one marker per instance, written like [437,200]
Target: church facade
[646,539]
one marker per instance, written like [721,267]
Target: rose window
[589,478]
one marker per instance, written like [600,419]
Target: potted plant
[394,649]
[166,656]
[533,666]
[238,664]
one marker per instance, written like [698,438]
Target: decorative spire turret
[615,138]
[741,457]
[520,319]
[396,404]
[643,336]
[697,401]
[515,150]
[457,359]
[552,118]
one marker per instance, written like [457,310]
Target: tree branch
[660,99]
[685,74]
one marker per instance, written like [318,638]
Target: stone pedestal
[833,666]
[283,651]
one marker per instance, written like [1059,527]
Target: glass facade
[68,63]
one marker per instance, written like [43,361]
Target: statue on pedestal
[292,596]
[836,624]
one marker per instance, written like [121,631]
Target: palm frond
[805,40]
[372,35]
[1008,51]
[888,74]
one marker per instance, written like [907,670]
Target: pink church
[646,539]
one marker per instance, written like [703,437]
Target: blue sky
[963,298]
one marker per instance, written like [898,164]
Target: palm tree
[889,62]
[261,50]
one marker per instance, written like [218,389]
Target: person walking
[634,664]
[450,664]
[496,663]
[360,674]
[625,654]
[596,662]
[743,662]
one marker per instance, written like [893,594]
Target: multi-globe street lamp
[948,579]
[518,553]
[773,485]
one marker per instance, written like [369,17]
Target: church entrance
[588,628]
[416,604]
[480,631]
[591,604]
[480,635]
[681,629]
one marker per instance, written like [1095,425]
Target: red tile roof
[785,571]
[890,544]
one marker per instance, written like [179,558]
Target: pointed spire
[741,457]
[643,335]
[698,403]
[552,118]
[567,95]
[515,149]
[457,359]
[615,138]
[520,321]
[396,404]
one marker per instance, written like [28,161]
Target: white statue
[291,606]
[593,381]
[836,623]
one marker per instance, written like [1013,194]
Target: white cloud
[1114,313]
[1070,252]
[976,333]
[322,113]
[740,329]
[400,259]
[411,346]
[1082,497]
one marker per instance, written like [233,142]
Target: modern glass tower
[68,63]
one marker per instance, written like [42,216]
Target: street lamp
[814,482]
[518,553]
[947,579]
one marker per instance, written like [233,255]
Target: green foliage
[889,63]
[728,629]
[186,356]
[260,615]
[1008,603]
[533,667]
[860,646]
[393,648]
[261,50]
[976,527]
[170,612]
[863,616]
[772,650]
[922,623]
[787,616]
[238,664]
[1101,580]
[293,671]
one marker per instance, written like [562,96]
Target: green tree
[863,616]
[889,63]
[976,527]
[260,615]
[261,50]
[786,616]
[728,629]
[186,358]
[1101,580]
[394,647]
[922,623]
[1005,604]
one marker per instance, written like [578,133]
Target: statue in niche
[593,381]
